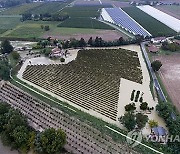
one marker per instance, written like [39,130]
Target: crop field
[9,22]
[92,80]
[29,29]
[36,8]
[172,10]
[87,11]
[155,27]
[49,7]
[84,23]
[20,9]
[81,17]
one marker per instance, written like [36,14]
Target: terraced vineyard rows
[155,27]
[91,81]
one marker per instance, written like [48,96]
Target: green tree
[21,137]
[51,141]
[4,70]
[130,107]
[144,106]
[6,47]
[128,120]
[15,55]
[46,28]
[90,41]
[156,65]
[141,120]
[82,42]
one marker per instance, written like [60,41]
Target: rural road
[155,80]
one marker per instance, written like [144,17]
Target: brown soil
[168,12]
[170,75]
[107,35]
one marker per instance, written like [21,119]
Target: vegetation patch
[84,23]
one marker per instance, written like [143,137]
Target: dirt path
[6,150]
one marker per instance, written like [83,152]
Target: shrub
[153,123]
[62,59]
[137,96]
[156,65]
[144,106]
[132,95]
[141,120]
[130,107]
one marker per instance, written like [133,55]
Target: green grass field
[36,8]
[9,22]
[29,29]
[155,27]
[20,9]
[81,17]
[82,11]
[84,23]
[49,7]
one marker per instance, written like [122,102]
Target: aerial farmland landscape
[89,77]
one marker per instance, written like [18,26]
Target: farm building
[177,42]
[56,52]
[153,49]
[158,40]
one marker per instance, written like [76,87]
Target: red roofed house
[153,49]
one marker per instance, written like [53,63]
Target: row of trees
[170,46]
[15,132]
[172,118]
[98,42]
[44,17]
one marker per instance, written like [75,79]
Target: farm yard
[153,26]
[170,75]
[172,10]
[91,73]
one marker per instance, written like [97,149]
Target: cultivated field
[20,9]
[78,33]
[172,10]
[92,81]
[84,23]
[36,8]
[9,22]
[152,25]
[166,19]
[170,75]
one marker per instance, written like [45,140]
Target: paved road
[155,80]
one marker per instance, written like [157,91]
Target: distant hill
[11,3]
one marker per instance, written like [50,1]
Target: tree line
[44,17]
[99,42]
[15,132]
